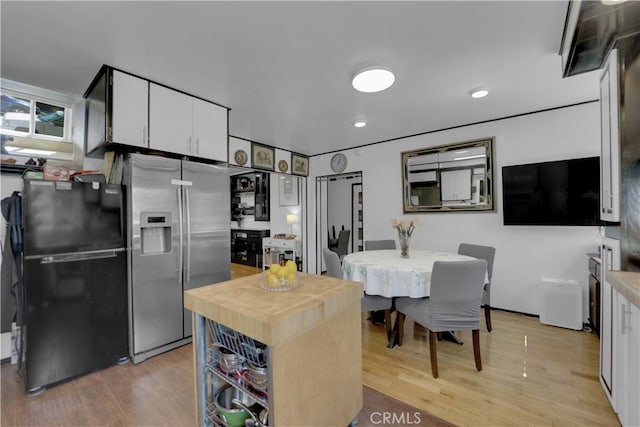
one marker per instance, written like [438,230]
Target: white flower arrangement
[405,229]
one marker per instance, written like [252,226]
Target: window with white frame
[34,127]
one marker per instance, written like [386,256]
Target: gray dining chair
[453,304]
[368,302]
[342,247]
[375,245]
[332,262]
[487,253]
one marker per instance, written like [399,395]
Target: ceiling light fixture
[35,152]
[480,92]
[373,79]
[360,123]
[475,156]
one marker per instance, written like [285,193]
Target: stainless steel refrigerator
[178,238]
[75,282]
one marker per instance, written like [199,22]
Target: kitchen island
[309,338]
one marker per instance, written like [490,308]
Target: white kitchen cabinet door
[209,131]
[610,255]
[456,185]
[130,110]
[606,339]
[610,141]
[170,120]
[627,357]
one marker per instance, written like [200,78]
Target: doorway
[339,204]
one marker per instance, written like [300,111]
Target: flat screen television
[564,192]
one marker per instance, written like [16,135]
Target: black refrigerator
[75,279]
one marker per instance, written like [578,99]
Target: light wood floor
[533,375]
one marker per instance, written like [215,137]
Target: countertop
[627,283]
[274,317]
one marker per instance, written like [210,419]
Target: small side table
[274,250]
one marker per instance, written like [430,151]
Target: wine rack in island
[307,340]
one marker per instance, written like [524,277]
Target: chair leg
[476,348]
[433,354]
[400,325]
[487,316]
[387,322]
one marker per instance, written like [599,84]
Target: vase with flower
[405,228]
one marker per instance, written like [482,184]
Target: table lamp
[292,219]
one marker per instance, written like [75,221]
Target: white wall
[279,213]
[523,254]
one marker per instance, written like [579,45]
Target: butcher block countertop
[627,283]
[274,317]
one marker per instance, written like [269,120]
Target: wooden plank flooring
[533,374]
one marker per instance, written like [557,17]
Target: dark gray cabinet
[246,246]
[252,186]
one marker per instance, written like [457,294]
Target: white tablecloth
[385,273]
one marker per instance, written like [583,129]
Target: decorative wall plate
[240,157]
[283,166]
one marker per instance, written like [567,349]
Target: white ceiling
[285,68]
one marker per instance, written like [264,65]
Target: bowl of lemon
[280,277]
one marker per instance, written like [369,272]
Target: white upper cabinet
[456,185]
[130,110]
[610,141]
[182,124]
[170,116]
[210,130]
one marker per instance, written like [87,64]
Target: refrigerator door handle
[180,231]
[80,256]
[188,214]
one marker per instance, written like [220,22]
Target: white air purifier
[561,303]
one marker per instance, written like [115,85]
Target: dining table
[385,272]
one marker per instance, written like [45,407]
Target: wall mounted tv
[564,192]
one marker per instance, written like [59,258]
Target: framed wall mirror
[446,178]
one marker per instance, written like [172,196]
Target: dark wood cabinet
[262,210]
[254,187]
[246,246]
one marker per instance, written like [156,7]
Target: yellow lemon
[290,279]
[282,273]
[291,265]
[274,268]
[272,280]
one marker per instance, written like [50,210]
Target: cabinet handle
[180,256]
[623,324]
[197,145]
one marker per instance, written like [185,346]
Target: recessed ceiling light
[360,123]
[373,79]
[479,92]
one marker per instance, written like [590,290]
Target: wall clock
[283,166]
[339,162]
[240,156]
